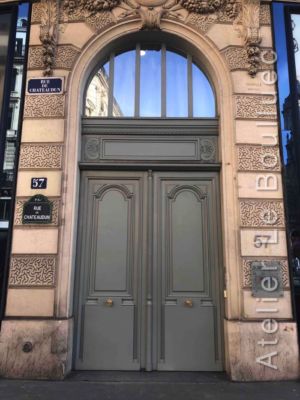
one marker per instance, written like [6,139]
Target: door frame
[219,72]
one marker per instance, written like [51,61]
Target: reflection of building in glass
[292,165]
[15,98]
[97,97]
[13,120]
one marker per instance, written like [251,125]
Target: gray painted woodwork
[187,272]
[149,278]
[111,141]
[102,148]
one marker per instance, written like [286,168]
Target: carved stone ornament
[32,271]
[151,11]
[250,30]
[90,7]
[49,33]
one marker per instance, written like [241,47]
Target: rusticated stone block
[41,156]
[35,240]
[65,57]
[258,158]
[247,277]
[36,14]
[43,106]
[255,107]
[237,58]
[244,351]
[261,213]
[265,14]
[51,353]
[32,271]
[30,302]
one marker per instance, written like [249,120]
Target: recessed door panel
[184,221]
[188,337]
[112,239]
[108,337]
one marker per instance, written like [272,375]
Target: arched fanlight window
[150,81]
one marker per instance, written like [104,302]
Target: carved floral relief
[152,11]
[244,13]
[49,32]
[248,22]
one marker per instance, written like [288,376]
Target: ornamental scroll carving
[90,7]
[49,33]
[244,13]
[152,11]
[249,20]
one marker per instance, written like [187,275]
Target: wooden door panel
[188,312]
[111,268]
[188,338]
[112,237]
[109,337]
[185,252]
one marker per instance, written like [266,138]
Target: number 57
[260,240]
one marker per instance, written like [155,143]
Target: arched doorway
[149,259]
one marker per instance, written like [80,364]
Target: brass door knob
[109,302]
[188,303]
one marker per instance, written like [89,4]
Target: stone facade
[230,36]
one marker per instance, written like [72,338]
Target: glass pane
[13,112]
[203,95]
[5,21]
[150,84]
[124,85]
[288,51]
[96,104]
[177,85]
[296,34]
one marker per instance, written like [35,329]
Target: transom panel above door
[148,272]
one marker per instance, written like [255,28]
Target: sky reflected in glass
[124,83]
[282,69]
[150,83]
[139,89]
[23,11]
[203,95]
[296,34]
[177,85]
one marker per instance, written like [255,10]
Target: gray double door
[148,282]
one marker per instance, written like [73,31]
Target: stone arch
[219,74]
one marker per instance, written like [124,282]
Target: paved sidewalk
[147,386]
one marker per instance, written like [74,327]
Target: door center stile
[149,273]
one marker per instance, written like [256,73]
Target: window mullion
[111,84]
[163,82]
[137,81]
[190,86]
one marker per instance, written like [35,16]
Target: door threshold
[143,376]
